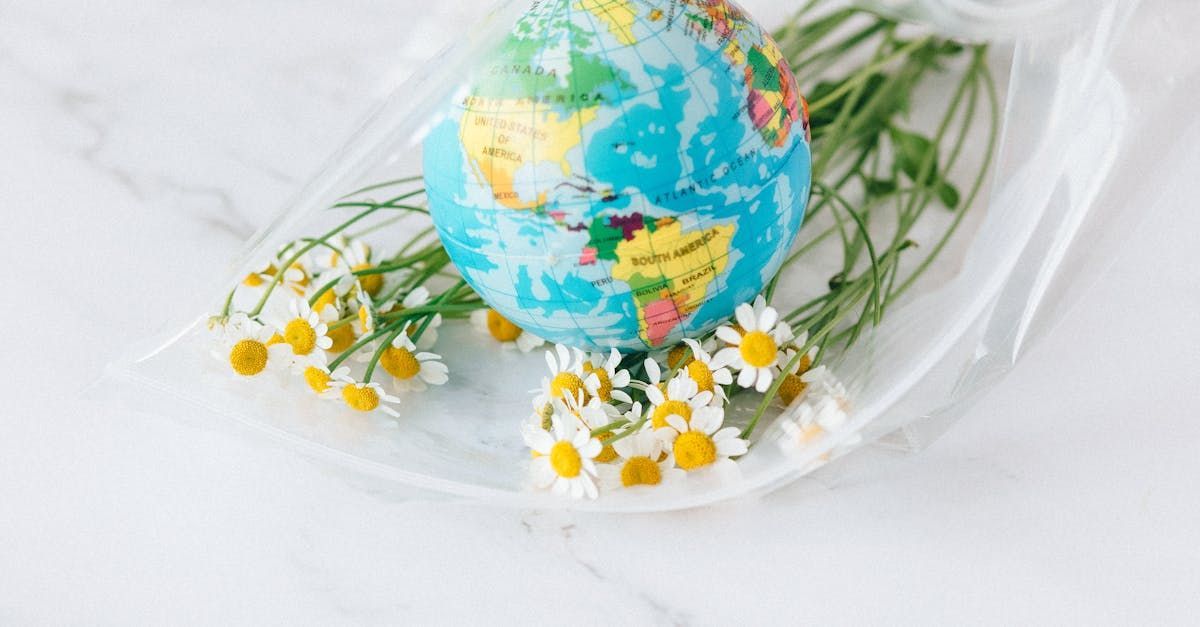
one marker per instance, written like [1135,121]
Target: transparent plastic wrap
[1066,180]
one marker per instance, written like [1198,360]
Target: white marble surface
[143,142]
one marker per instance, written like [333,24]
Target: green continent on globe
[621,172]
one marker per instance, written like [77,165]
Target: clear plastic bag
[1077,123]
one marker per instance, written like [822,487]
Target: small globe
[622,173]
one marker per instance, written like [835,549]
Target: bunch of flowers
[601,421]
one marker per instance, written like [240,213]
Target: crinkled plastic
[1093,121]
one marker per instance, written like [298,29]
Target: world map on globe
[622,173]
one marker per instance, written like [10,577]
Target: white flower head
[245,346]
[641,461]
[608,382]
[566,376]
[489,322]
[364,396]
[708,371]
[564,458]
[412,370]
[681,399]
[755,350]
[320,380]
[701,442]
[304,330]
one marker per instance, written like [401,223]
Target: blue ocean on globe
[622,173]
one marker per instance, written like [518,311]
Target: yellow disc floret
[791,388]
[678,408]
[328,297]
[317,379]
[301,336]
[566,383]
[342,337]
[565,460]
[604,390]
[248,357]
[607,453]
[360,397]
[701,374]
[694,449]
[371,283]
[501,328]
[400,363]
[759,349]
[677,354]
[640,471]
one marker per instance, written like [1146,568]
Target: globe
[622,173]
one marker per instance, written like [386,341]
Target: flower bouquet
[629,255]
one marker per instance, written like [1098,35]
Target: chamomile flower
[709,372]
[410,369]
[491,323]
[608,380]
[682,399]
[564,458]
[566,376]
[246,346]
[364,396]
[303,329]
[793,386]
[320,380]
[701,442]
[640,462]
[592,414]
[755,350]
[260,275]
[296,277]
[342,252]
[811,419]
[419,297]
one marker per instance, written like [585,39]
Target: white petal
[746,377]
[729,335]
[677,422]
[745,317]
[764,380]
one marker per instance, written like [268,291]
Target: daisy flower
[490,322]
[260,275]
[592,414]
[639,463]
[364,397]
[709,372]
[810,420]
[701,442]
[419,297]
[320,380]
[246,346]
[304,329]
[609,382]
[793,386]
[342,252]
[682,399]
[566,376]
[412,370]
[563,459]
[755,350]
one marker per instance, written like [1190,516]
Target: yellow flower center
[371,283]
[301,336]
[677,354]
[400,363]
[501,328]
[317,379]
[360,397]
[343,338]
[759,349]
[364,317]
[248,357]
[329,297]
[275,339]
[678,408]
[567,383]
[608,453]
[253,280]
[701,374]
[565,460]
[604,390]
[640,471]
[694,449]
[791,388]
